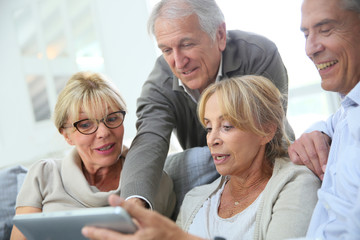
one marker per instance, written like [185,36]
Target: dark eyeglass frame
[75,124]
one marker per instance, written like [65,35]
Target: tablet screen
[68,224]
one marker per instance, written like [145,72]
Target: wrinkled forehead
[170,26]
[317,13]
[314,11]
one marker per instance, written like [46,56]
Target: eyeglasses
[89,126]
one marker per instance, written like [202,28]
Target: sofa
[11,179]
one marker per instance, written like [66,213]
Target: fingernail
[84,231]
[323,168]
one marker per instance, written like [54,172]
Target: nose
[180,59]
[102,130]
[313,45]
[213,138]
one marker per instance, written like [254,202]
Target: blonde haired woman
[260,194]
[89,113]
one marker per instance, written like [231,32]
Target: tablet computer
[68,224]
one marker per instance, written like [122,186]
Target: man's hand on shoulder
[311,149]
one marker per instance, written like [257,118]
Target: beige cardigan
[286,205]
[59,184]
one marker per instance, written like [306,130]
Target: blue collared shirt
[337,213]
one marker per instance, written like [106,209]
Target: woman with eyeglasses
[89,113]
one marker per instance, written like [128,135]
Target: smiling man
[332,43]
[332,32]
[197,51]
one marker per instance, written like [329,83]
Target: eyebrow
[319,24]
[180,42]
[220,117]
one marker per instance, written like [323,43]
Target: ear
[271,130]
[66,134]
[221,36]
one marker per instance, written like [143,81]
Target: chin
[222,171]
[327,85]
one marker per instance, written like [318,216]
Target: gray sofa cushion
[11,179]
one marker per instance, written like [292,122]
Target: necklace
[249,194]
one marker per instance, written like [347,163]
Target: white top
[207,223]
[337,213]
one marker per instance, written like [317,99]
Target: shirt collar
[353,97]
[195,94]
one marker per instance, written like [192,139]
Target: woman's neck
[241,191]
[251,180]
[104,178]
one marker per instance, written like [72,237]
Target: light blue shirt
[337,213]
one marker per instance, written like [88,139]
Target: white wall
[129,51]
[129,55]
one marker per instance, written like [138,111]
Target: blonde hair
[251,103]
[87,92]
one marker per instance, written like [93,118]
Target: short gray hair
[208,12]
[351,5]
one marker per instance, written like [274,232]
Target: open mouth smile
[105,147]
[219,158]
[326,65]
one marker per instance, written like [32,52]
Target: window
[56,38]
